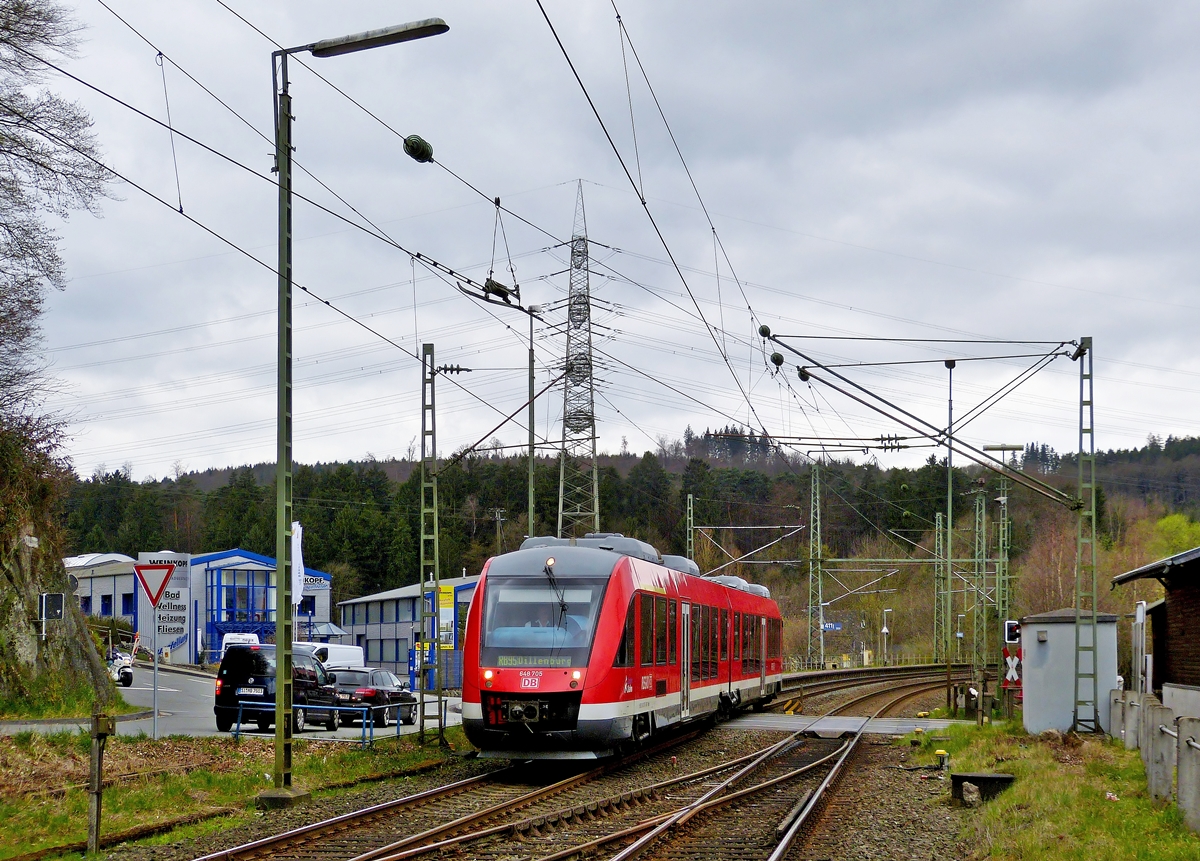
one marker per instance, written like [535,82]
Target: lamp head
[377,38]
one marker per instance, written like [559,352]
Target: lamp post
[885,636]
[283,793]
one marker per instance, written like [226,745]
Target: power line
[52,136]
[646,209]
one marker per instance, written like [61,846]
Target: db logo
[529,683]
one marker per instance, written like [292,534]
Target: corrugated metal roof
[91,560]
[1163,567]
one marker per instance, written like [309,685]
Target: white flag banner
[297,562]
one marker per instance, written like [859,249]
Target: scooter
[120,668]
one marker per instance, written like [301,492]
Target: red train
[579,648]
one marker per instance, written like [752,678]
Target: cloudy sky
[933,171]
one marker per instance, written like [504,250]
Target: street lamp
[885,636]
[283,793]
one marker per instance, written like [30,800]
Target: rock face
[971,796]
[30,564]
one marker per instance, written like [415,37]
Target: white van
[334,655]
[237,640]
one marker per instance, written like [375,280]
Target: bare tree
[49,163]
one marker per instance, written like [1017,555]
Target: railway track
[511,813]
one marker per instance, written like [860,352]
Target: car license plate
[250,692]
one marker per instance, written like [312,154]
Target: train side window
[647,630]
[672,630]
[724,634]
[695,653]
[714,636]
[737,635]
[705,641]
[660,631]
[625,647]
[750,645]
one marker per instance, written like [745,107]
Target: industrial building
[210,595]
[385,624]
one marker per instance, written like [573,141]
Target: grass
[233,776]
[1061,805]
[55,700]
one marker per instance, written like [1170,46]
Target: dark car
[389,697]
[247,675]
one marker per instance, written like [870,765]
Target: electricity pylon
[578,477]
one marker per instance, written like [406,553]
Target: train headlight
[487,674]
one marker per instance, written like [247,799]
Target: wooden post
[102,727]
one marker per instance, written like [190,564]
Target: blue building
[238,597]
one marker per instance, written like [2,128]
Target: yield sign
[154,579]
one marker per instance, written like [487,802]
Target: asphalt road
[185,707]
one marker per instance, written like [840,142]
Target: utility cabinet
[1048,668]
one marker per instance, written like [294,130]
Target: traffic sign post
[154,580]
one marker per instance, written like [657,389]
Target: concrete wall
[1183,700]
[1048,674]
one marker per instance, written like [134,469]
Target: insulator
[803,372]
[777,359]
[764,330]
[418,148]
[495,288]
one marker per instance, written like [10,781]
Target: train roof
[615,542]
[611,541]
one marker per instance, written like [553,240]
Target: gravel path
[880,812]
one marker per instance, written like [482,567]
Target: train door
[685,659]
[762,655]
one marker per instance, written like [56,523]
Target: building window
[106,605]
[388,652]
[308,605]
[389,611]
[374,650]
[85,605]
[360,614]
[373,613]
[127,604]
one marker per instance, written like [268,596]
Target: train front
[534,623]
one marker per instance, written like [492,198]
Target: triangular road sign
[154,579]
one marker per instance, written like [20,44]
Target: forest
[360,519]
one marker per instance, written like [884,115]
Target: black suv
[247,675]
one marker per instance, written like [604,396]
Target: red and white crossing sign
[154,580]
[1012,668]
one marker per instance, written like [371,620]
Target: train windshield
[533,622]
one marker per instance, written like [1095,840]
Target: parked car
[247,675]
[389,697]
